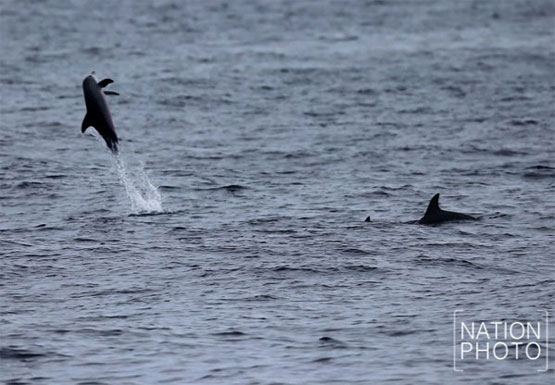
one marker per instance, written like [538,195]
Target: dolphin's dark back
[434,214]
[98,114]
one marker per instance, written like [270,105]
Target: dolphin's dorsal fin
[86,123]
[104,82]
[433,206]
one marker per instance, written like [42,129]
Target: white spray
[144,196]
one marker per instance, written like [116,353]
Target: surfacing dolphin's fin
[104,82]
[86,123]
[433,206]
[110,93]
[434,214]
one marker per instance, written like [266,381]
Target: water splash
[144,196]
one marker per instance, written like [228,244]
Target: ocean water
[226,244]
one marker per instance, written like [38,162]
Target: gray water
[226,244]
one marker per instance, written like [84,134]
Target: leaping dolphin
[435,215]
[98,114]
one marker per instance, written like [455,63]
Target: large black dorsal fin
[86,123]
[104,82]
[433,206]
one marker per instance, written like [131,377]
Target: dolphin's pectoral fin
[110,93]
[104,82]
[86,123]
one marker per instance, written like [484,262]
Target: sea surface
[226,243]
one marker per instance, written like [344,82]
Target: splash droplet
[143,195]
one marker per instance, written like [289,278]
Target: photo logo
[500,340]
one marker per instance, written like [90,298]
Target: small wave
[29,184]
[169,187]
[446,261]
[15,353]
[261,297]
[380,193]
[287,269]
[336,38]
[230,333]
[540,167]
[82,239]
[263,221]
[178,228]
[229,188]
[323,359]
[523,122]
[102,333]
[156,213]
[323,114]
[44,227]
[498,215]
[508,152]
[417,110]
[455,91]
[366,91]
[277,231]
[353,250]
[298,154]
[498,152]
[331,341]
[34,109]
[539,172]
[399,333]
[515,98]
[360,268]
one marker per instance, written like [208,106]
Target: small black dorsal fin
[86,123]
[110,93]
[104,82]
[433,206]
